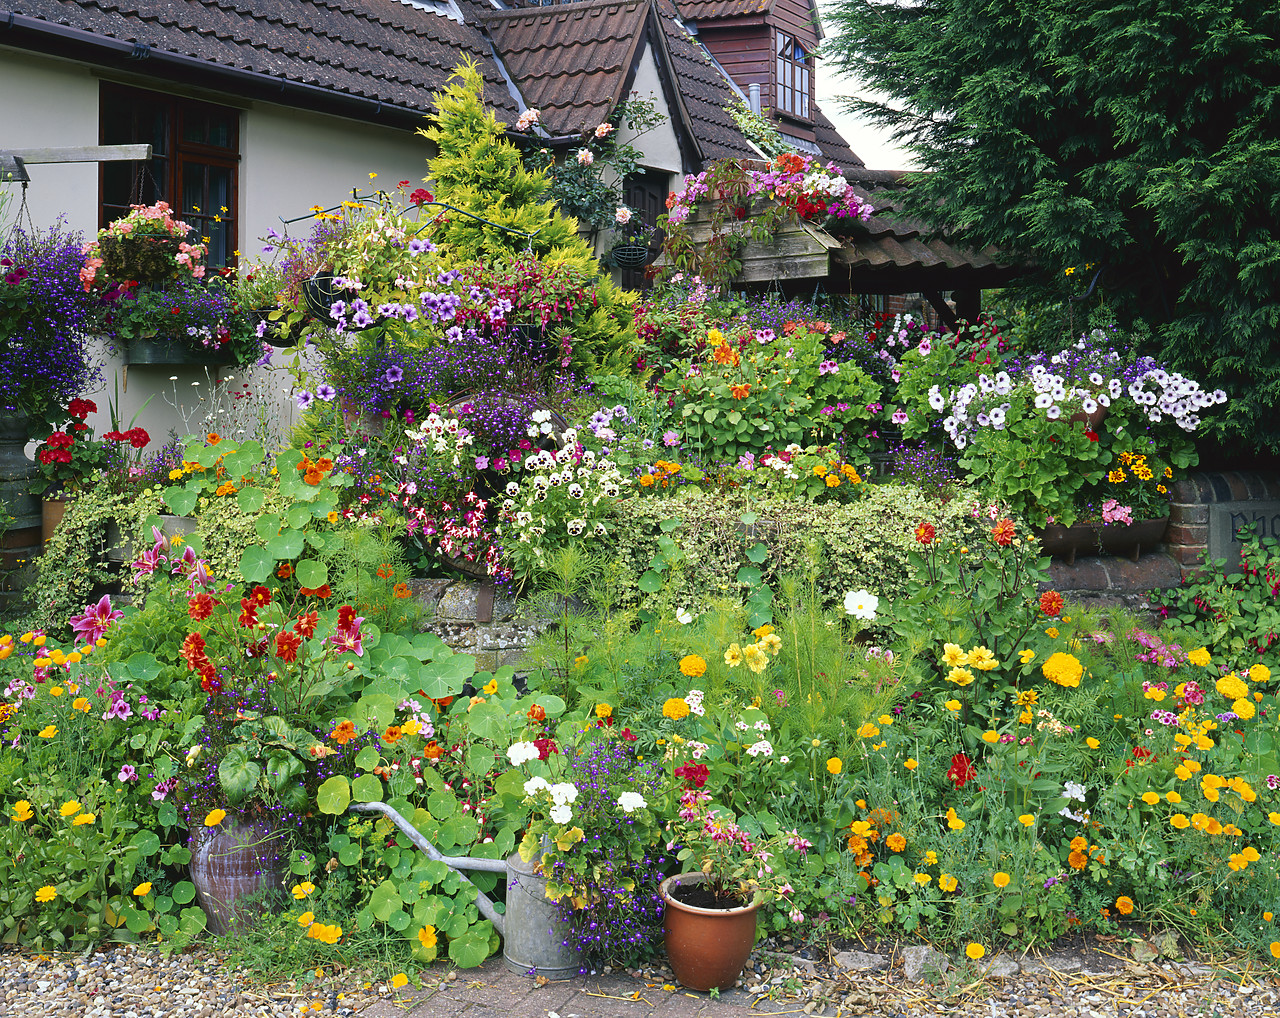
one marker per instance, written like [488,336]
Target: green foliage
[1232,605]
[477,169]
[863,544]
[1113,134]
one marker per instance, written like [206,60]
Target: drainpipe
[753,97]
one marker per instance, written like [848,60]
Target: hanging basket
[320,295]
[631,256]
[143,259]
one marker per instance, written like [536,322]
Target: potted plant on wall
[67,463]
[187,322]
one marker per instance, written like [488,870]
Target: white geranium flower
[561,814]
[535,785]
[521,753]
[563,792]
[631,801]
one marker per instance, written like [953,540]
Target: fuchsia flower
[96,620]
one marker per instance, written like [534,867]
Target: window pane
[193,127]
[222,129]
[784,45]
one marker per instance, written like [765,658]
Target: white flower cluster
[562,793]
[631,801]
[825,183]
[693,700]
[521,753]
[442,434]
[1161,393]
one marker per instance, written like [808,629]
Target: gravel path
[130,982]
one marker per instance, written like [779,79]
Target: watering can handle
[483,902]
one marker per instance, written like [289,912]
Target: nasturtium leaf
[367,788]
[334,796]
[250,500]
[311,573]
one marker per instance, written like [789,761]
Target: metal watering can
[533,936]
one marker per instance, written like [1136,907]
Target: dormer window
[793,77]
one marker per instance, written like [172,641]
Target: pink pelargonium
[96,620]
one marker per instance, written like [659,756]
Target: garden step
[1106,581]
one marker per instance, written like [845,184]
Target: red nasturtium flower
[545,747]
[1003,532]
[961,771]
[925,533]
[537,713]
[695,775]
[1051,603]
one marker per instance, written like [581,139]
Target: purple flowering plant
[45,317]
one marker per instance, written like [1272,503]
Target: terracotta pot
[707,947]
[1090,421]
[231,862]
[51,512]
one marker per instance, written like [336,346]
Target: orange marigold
[895,842]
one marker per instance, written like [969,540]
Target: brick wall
[1188,534]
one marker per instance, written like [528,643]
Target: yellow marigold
[1243,709]
[1064,669]
[1027,698]
[1001,879]
[835,765]
[1051,632]
[1124,905]
[604,710]
[84,818]
[48,893]
[1232,687]
[70,808]
[693,666]
[947,882]
[1259,673]
[895,842]
[675,709]
[1077,860]
[22,811]
[960,676]
[922,878]
[1199,657]
[982,659]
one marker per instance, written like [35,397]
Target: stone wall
[473,619]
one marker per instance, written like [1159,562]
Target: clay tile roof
[374,49]
[571,61]
[703,10]
[891,241]
[704,92]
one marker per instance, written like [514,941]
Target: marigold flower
[22,811]
[1077,860]
[343,733]
[48,893]
[693,666]
[84,818]
[922,878]
[70,808]
[675,709]
[1064,669]
[1199,657]
[946,882]
[895,842]
[1243,709]
[1259,673]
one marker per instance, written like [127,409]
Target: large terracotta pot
[234,861]
[707,947]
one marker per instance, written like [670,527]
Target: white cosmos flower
[861,604]
[684,616]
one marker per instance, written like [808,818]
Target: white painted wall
[290,161]
[660,147]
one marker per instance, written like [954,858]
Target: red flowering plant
[68,460]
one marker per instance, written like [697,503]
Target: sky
[871,143]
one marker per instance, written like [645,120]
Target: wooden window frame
[792,78]
[169,169]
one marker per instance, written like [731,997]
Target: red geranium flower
[545,747]
[961,771]
[695,775]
